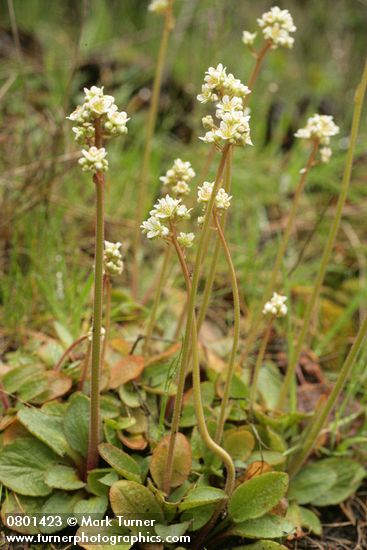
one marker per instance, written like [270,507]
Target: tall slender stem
[157,299]
[190,322]
[259,60]
[270,287]
[199,410]
[107,289]
[151,123]
[358,103]
[94,426]
[259,362]
[236,329]
[318,420]
[214,261]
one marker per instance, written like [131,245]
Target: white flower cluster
[228,93]
[158,6]
[319,128]
[94,160]
[171,210]
[112,259]
[276,26]
[99,106]
[325,154]
[222,200]
[276,306]
[218,84]
[178,177]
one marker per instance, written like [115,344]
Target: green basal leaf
[312,482]
[270,457]
[110,406]
[129,396]
[76,423]
[94,483]
[60,476]
[23,465]
[48,429]
[198,517]
[20,376]
[310,521]
[59,504]
[257,496]
[131,499]
[94,506]
[174,530]
[18,504]
[349,475]
[201,496]
[120,461]
[268,526]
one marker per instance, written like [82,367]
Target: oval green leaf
[120,461]
[268,526]
[131,499]
[201,496]
[257,496]
[60,476]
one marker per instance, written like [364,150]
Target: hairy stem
[94,426]
[236,329]
[271,285]
[107,289]
[157,299]
[358,103]
[151,123]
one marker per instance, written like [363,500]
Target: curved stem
[358,103]
[72,346]
[259,361]
[94,425]
[236,329]
[157,299]
[199,410]
[151,123]
[270,287]
[213,265]
[318,421]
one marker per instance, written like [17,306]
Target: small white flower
[181,188]
[94,160]
[153,228]
[100,105]
[93,92]
[214,77]
[205,191]
[186,240]
[158,6]
[248,38]
[319,127]
[112,258]
[169,208]
[222,200]
[201,220]
[276,26]
[229,104]
[325,154]
[276,306]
